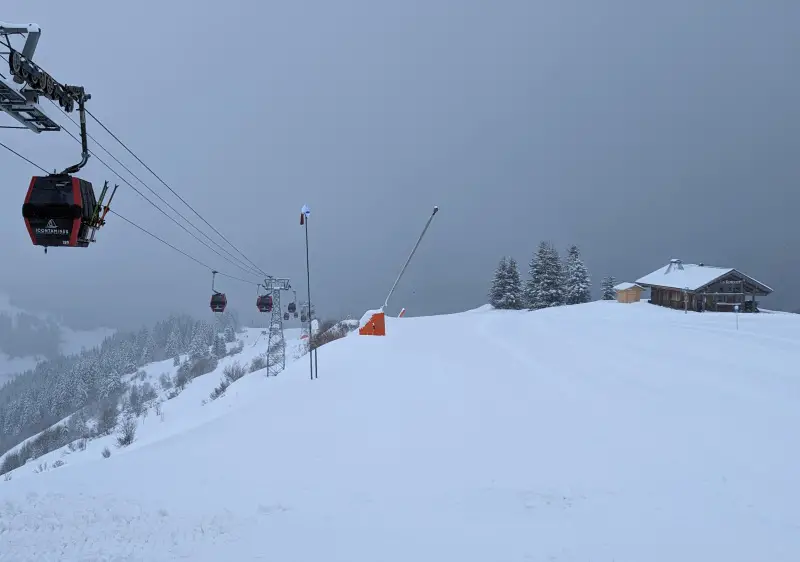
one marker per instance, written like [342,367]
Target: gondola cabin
[58,209]
[292,307]
[285,315]
[264,303]
[303,318]
[218,302]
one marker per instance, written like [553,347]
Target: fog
[639,132]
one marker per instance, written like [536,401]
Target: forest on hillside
[92,380]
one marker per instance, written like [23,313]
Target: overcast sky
[640,133]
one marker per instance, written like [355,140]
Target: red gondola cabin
[218,302]
[58,209]
[264,303]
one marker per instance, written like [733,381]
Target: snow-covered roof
[625,286]
[684,276]
[678,275]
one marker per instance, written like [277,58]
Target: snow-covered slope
[593,432]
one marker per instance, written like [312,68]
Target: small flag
[304,212]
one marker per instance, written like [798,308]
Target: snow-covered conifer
[577,283]
[199,346]
[607,286]
[545,287]
[511,297]
[498,286]
[230,334]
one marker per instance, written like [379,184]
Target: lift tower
[276,347]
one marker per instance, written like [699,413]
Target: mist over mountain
[28,338]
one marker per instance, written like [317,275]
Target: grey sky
[639,133]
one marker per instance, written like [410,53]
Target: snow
[368,316]
[625,286]
[488,435]
[692,276]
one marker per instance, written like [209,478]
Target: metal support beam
[32,30]
[424,230]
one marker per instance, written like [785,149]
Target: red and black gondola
[264,303]
[59,210]
[218,302]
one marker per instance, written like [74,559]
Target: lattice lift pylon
[276,347]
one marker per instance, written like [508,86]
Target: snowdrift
[593,432]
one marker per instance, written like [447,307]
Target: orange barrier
[376,326]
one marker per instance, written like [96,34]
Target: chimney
[674,263]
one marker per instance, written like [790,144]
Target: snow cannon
[373,323]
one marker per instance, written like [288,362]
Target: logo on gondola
[51,229]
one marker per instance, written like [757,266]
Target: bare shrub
[258,363]
[203,366]
[127,432]
[220,390]
[236,349]
[106,452]
[58,463]
[234,372]
[107,420]
[182,376]
[164,381]
[148,392]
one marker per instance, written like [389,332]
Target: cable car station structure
[59,210]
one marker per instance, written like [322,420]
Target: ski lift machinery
[59,209]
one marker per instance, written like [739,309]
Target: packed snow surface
[597,432]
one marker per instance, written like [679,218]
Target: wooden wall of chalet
[720,296]
[633,294]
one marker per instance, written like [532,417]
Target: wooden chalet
[628,292]
[700,287]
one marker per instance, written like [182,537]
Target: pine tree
[230,334]
[199,346]
[545,287]
[173,346]
[219,348]
[149,350]
[499,283]
[607,286]
[552,281]
[577,283]
[511,297]
[531,292]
